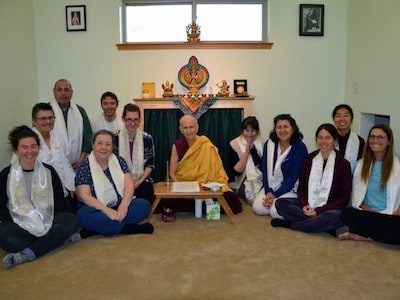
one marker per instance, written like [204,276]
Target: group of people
[59,161]
[344,182]
[71,177]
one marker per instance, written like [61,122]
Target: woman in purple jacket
[324,189]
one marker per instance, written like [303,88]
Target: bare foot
[344,236]
[352,236]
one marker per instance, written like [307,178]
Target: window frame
[264,44]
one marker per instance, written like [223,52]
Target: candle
[167,175]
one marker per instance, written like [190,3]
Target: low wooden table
[161,190]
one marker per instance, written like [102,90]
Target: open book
[185,187]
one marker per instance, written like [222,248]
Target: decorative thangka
[193,76]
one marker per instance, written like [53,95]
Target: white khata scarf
[351,153]
[104,189]
[71,138]
[33,213]
[252,176]
[57,159]
[275,175]
[392,188]
[320,180]
[136,163]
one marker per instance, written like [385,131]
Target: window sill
[196,45]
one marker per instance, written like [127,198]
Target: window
[162,21]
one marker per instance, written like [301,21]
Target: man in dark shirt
[349,144]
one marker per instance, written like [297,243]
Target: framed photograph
[76,17]
[311,20]
[240,87]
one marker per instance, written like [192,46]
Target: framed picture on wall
[311,20]
[240,87]
[76,17]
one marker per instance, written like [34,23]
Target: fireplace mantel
[244,103]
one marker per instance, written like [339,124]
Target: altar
[221,123]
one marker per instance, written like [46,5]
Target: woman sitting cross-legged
[284,153]
[33,220]
[375,211]
[324,189]
[104,184]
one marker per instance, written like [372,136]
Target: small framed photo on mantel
[240,88]
[76,17]
[311,20]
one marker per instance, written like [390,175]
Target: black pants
[379,227]
[14,239]
[145,190]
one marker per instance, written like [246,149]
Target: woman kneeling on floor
[104,185]
[324,189]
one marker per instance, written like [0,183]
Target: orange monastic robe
[202,163]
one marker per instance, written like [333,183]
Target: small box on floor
[213,210]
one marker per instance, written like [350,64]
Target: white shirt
[100,122]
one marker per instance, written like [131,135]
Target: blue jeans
[290,209]
[97,221]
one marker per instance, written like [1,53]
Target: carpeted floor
[199,259]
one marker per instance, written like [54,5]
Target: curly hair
[20,132]
[296,131]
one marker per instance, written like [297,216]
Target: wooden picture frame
[75,17]
[311,20]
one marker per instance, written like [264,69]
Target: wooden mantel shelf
[219,99]
[197,45]
[244,103]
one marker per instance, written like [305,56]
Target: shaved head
[187,118]
[189,126]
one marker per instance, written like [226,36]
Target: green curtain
[219,125]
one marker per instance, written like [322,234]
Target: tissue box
[213,211]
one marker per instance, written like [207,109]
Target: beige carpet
[199,259]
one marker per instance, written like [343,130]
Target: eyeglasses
[130,121]
[43,119]
[380,138]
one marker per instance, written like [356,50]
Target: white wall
[18,78]
[373,62]
[304,76]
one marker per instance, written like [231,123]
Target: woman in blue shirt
[284,153]
[375,211]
